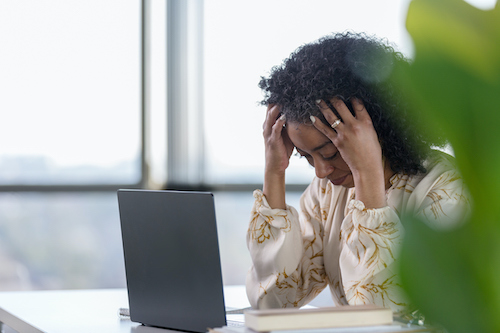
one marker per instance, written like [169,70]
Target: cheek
[342,165]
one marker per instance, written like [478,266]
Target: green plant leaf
[457,31]
[438,276]
[454,82]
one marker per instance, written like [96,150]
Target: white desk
[96,311]
[75,311]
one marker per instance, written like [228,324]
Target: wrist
[277,168]
[274,189]
[273,172]
[370,188]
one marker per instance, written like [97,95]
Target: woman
[335,103]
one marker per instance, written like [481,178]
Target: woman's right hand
[278,146]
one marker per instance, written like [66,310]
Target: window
[71,92]
[71,131]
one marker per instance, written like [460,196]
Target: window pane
[60,241]
[70,91]
[243,41]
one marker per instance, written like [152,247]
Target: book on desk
[340,319]
[317,318]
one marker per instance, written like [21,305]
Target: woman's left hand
[354,137]
[358,144]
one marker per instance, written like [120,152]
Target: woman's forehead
[306,137]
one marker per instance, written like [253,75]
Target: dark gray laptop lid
[172,259]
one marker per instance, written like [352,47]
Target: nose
[322,168]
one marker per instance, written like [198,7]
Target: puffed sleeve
[370,240]
[446,204]
[287,257]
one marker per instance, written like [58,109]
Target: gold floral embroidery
[365,293]
[317,213]
[441,191]
[264,231]
[259,232]
[282,281]
[309,246]
[404,182]
[346,232]
[326,190]
[339,290]
[263,290]
[386,236]
[292,286]
[324,214]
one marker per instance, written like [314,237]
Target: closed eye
[331,157]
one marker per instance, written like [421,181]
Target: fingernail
[312,119]
[318,101]
[283,117]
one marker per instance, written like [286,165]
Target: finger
[335,121]
[277,128]
[328,113]
[271,115]
[359,109]
[272,112]
[288,143]
[326,130]
[342,109]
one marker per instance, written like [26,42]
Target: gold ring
[336,123]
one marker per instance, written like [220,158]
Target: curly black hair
[349,65]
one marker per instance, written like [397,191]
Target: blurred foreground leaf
[454,277]
[443,275]
[455,79]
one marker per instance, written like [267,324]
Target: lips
[338,181]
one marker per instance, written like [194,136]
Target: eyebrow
[322,146]
[317,148]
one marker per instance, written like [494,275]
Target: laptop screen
[172,259]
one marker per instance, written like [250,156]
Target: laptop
[172,261]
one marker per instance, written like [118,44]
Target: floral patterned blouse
[335,241]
